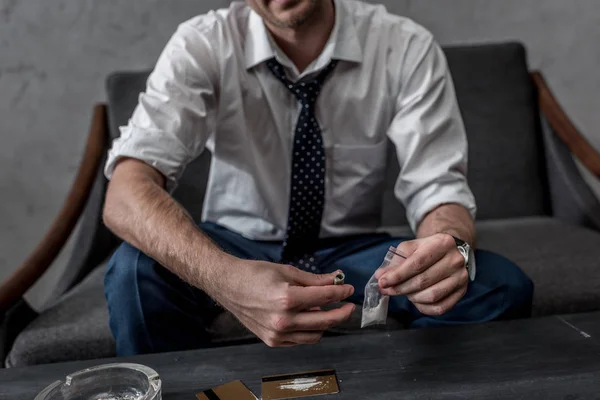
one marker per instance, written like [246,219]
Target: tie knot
[305,91]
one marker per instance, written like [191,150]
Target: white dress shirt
[211,89]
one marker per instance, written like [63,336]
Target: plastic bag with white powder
[375,306]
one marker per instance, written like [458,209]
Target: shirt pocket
[357,177]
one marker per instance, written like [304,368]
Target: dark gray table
[546,358]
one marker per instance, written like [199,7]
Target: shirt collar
[258,46]
[344,39]
[344,36]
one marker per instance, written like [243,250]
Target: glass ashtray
[107,382]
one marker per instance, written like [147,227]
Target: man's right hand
[278,303]
[281,304]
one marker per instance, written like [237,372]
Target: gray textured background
[54,55]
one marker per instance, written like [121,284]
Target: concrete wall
[54,56]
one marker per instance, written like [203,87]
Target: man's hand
[281,304]
[433,276]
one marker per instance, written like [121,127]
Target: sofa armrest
[21,280]
[572,199]
[564,128]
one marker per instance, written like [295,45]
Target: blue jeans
[153,310]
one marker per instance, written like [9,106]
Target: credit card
[303,384]
[235,390]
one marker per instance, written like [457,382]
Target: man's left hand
[433,277]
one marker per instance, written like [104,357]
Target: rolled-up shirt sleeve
[176,114]
[429,135]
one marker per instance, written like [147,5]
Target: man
[296,100]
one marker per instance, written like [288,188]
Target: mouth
[284,3]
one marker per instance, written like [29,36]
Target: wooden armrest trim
[21,280]
[564,127]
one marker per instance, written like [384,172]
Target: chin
[286,13]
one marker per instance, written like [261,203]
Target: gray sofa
[534,208]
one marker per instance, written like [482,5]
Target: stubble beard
[295,22]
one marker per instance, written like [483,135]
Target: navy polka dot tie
[307,194]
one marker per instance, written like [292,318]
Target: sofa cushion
[563,260]
[75,328]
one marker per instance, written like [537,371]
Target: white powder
[301,384]
[375,315]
